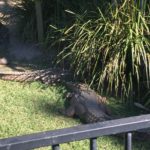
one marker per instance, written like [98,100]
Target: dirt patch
[17,51]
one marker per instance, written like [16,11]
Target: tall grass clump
[111,49]
[54,15]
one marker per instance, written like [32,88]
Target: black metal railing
[89,131]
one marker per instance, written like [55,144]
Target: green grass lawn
[30,108]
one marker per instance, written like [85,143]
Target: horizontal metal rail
[89,131]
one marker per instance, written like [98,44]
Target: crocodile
[86,104]
[82,101]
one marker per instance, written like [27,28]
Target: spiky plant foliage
[54,14]
[111,49]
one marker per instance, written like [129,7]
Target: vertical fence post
[39,19]
[93,144]
[128,141]
[55,147]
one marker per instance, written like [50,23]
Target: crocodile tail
[48,76]
[21,77]
[13,77]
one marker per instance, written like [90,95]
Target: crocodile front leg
[70,111]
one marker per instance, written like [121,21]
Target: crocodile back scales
[89,106]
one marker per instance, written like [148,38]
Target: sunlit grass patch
[30,108]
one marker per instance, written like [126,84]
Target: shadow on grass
[49,108]
[121,109]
